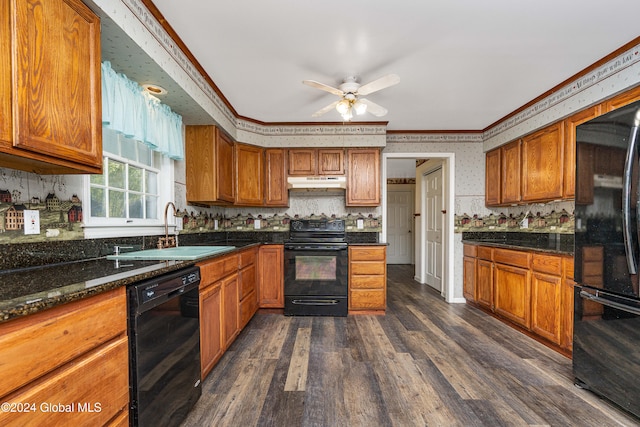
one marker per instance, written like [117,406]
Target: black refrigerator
[606,336]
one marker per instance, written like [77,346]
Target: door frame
[448,183]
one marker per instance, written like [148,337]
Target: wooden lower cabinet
[512,291]
[227,303]
[484,283]
[60,355]
[210,327]
[530,289]
[230,310]
[367,278]
[271,276]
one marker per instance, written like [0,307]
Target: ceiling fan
[350,91]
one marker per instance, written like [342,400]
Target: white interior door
[399,227]
[433,228]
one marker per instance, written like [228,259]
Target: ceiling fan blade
[373,108]
[378,84]
[323,86]
[325,109]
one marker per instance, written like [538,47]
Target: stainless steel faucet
[166,241]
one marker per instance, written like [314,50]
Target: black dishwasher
[164,348]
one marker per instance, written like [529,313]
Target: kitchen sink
[185,253]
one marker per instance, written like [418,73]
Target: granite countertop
[559,244]
[29,290]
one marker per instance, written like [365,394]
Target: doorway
[446,261]
[400,225]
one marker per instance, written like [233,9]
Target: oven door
[315,280]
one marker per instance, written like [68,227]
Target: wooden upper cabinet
[492,181]
[312,161]
[621,100]
[249,175]
[569,182]
[363,177]
[50,81]
[276,193]
[331,162]
[511,173]
[210,165]
[542,164]
[303,162]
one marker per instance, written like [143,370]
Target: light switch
[31,221]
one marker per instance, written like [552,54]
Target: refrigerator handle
[626,198]
[613,304]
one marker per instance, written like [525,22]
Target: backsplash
[59,217]
[555,217]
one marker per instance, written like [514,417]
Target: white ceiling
[463,64]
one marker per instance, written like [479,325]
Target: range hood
[317,182]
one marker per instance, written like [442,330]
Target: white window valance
[128,109]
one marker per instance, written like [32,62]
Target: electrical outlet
[31,221]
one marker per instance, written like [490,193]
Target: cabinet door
[249,175]
[510,173]
[621,100]
[484,283]
[546,313]
[303,162]
[567,304]
[230,310]
[225,168]
[569,184]
[492,182]
[210,165]
[542,164]
[363,177]
[271,276]
[331,162]
[512,292]
[57,104]
[469,278]
[276,193]
[210,327]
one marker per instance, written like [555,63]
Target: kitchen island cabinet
[59,355]
[50,108]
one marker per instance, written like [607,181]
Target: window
[135,183]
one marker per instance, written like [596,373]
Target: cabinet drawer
[471,250]
[36,344]
[509,257]
[105,366]
[368,268]
[547,264]
[367,282]
[212,271]
[373,253]
[485,253]
[367,300]
[247,257]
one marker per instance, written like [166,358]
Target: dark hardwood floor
[425,363]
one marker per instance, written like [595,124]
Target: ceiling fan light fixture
[360,107]
[343,107]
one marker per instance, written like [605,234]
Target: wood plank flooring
[425,363]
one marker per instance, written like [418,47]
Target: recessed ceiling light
[154,89]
